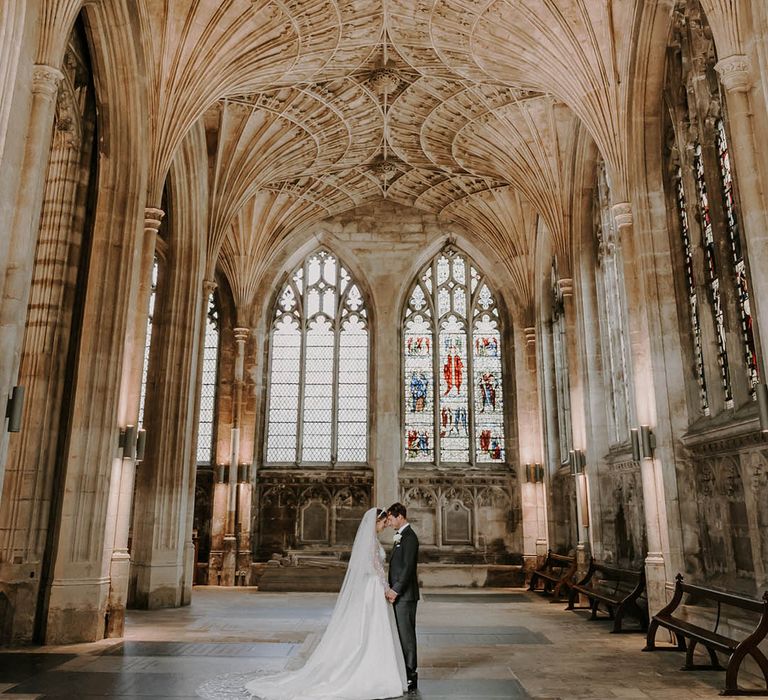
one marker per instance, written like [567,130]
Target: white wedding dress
[359,656]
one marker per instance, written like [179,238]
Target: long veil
[360,626]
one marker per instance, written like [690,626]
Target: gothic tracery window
[454,407]
[317,408]
[148,339]
[612,312]
[208,384]
[703,192]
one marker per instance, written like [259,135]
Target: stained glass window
[208,384]
[454,407]
[712,272]
[693,304]
[318,386]
[740,269]
[148,341]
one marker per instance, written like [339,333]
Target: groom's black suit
[403,580]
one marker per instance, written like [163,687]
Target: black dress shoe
[413,683]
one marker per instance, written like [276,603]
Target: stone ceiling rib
[454,106]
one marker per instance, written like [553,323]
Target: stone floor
[476,644]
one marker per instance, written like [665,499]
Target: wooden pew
[555,575]
[688,634]
[620,591]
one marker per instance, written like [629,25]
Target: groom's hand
[391,595]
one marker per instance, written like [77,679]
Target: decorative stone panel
[464,516]
[314,509]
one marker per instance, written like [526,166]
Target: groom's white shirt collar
[400,531]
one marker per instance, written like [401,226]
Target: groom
[405,587]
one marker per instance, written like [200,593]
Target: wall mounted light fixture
[534,473]
[762,406]
[643,442]
[14,408]
[128,441]
[141,445]
[577,460]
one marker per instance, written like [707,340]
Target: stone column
[575,387]
[24,232]
[386,453]
[30,472]
[530,442]
[736,76]
[165,479]
[124,468]
[650,469]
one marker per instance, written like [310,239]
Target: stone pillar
[30,472]
[386,454]
[542,537]
[229,499]
[650,469]
[122,575]
[530,445]
[190,563]
[578,428]
[165,480]
[736,76]
[24,232]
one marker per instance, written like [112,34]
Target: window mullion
[302,370]
[436,441]
[335,375]
[471,371]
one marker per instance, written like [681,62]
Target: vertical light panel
[208,384]
[318,399]
[285,377]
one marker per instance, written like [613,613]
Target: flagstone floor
[477,644]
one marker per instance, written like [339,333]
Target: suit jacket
[402,566]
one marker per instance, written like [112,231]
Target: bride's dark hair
[381,514]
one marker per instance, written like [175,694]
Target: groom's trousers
[405,616]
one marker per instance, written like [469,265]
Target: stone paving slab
[529,650]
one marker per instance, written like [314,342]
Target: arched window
[148,340]
[452,348]
[208,384]
[317,409]
[611,303]
[702,190]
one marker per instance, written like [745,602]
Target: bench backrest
[697,593]
[614,579]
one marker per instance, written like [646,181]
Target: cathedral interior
[266,264]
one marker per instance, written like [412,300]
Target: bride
[359,656]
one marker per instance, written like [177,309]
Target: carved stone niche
[315,528]
[464,517]
[457,523]
[309,509]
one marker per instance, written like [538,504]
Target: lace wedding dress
[359,656]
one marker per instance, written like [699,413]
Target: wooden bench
[555,575]
[619,590]
[688,635]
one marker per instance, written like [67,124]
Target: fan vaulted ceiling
[312,107]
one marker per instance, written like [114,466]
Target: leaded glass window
[208,384]
[148,341]
[713,275]
[690,284]
[454,406]
[317,408]
[739,264]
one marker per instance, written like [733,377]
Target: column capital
[735,73]
[241,334]
[45,80]
[622,214]
[565,286]
[152,219]
[208,287]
